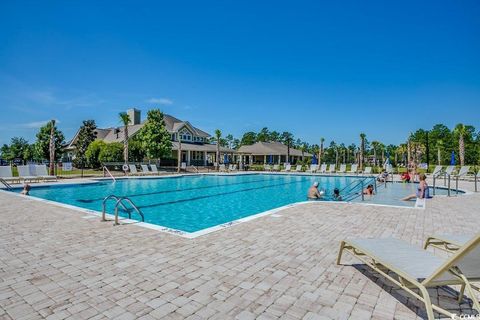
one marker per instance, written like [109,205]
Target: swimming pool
[193,203]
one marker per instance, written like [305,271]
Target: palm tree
[375,145]
[320,151]
[218,135]
[51,147]
[362,149]
[460,130]
[439,151]
[125,120]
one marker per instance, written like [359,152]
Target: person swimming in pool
[336,195]
[26,189]
[313,193]
[423,192]
[369,190]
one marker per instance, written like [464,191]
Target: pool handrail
[120,201]
[104,168]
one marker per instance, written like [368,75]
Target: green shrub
[111,152]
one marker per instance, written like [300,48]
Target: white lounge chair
[449,170]
[221,168]
[323,168]
[463,171]
[154,169]
[343,168]
[267,167]
[368,170]
[288,167]
[41,172]
[437,171]
[313,168]
[331,168]
[133,170]
[24,174]
[353,169]
[276,167]
[145,170]
[6,174]
[298,168]
[410,267]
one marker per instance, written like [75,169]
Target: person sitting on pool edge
[369,190]
[336,195]
[313,193]
[423,192]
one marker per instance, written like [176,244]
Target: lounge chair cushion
[415,262]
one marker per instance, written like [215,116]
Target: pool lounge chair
[133,170]
[343,168]
[41,172]
[437,171]
[368,170]
[447,242]
[288,167]
[353,169]
[449,170]
[154,169]
[323,168]
[25,175]
[313,168]
[6,174]
[145,170]
[415,268]
[276,167]
[267,167]
[331,168]
[298,168]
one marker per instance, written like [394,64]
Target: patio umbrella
[270,159]
[314,160]
[225,158]
[452,159]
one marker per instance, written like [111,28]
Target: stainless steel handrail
[104,204]
[119,201]
[109,173]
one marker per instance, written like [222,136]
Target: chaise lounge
[415,268]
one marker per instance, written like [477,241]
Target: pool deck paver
[55,264]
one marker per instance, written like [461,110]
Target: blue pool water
[193,203]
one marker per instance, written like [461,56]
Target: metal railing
[119,201]
[104,168]
[6,184]
[355,189]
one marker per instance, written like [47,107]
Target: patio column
[279,159]
[265,159]
[205,158]
[188,157]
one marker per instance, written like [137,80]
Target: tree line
[153,141]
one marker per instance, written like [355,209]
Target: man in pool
[336,195]
[26,190]
[313,193]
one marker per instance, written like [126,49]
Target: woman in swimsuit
[422,191]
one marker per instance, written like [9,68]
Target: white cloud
[37,124]
[164,101]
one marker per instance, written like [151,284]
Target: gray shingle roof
[271,148]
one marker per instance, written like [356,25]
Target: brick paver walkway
[57,264]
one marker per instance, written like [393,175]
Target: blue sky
[314,68]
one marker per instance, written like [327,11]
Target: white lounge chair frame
[22,173]
[323,168]
[368,170]
[6,174]
[41,172]
[342,169]
[448,273]
[331,168]
[354,169]
[288,167]
[298,168]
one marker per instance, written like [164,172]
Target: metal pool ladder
[6,184]
[119,201]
